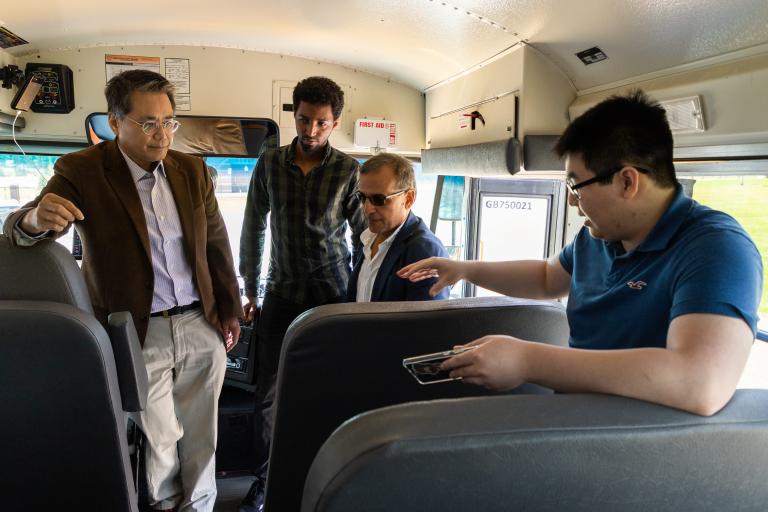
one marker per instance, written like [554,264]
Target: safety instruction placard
[116,64]
[177,72]
[374,133]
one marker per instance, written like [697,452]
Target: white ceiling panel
[418,42]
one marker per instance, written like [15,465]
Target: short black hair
[623,130]
[119,88]
[319,90]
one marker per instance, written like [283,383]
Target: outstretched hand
[448,272]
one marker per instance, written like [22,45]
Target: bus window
[514,220]
[450,222]
[22,177]
[232,177]
[425,196]
[744,198]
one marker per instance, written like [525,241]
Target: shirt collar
[367,237]
[136,171]
[292,152]
[669,223]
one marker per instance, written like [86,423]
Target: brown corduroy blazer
[117,263]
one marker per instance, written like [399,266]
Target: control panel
[57,95]
[241,360]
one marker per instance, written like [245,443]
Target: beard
[308,148]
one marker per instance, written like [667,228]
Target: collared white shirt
[174,282]
[369,269]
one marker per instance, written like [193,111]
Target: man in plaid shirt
[310,190]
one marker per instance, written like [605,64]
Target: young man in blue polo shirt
[662,291]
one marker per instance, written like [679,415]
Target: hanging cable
[13,132]
[13,135]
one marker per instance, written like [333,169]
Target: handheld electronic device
[27,93]
[426,368]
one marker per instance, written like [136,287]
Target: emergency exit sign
[376,132]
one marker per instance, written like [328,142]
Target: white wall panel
[229,82]
[733,97]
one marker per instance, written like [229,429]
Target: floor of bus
[231,490]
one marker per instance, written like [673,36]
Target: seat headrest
[45,271]
[581,453]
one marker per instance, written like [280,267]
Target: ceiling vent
[591,55]
[684,115]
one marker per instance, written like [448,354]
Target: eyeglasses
[379,199]
[573,187]
[149,127]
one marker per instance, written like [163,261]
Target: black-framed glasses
[379,199]
[149,127]
[573,187]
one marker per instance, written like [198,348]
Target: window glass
[745,199]
[425,194]
[22,177]
[451,223]
[232,177]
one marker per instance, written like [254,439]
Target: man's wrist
[27,227]
[465,270]
[25,231]
[536,361]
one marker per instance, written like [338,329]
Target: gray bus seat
[63,426]
[343,359]
[580,453]
[47,272]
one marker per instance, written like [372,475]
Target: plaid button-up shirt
[309,258]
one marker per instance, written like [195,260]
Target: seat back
[62,426]
[44,272]
[343,359]
[581,453]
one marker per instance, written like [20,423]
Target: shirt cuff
[22,238]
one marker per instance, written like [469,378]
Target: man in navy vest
[395,236]
[662,291]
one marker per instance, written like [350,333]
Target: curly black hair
[319,90]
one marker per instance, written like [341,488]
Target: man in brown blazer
[154,244]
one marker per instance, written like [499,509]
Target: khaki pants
[185,361]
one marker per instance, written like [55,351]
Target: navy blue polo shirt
[695,260]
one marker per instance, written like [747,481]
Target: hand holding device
[426,368]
